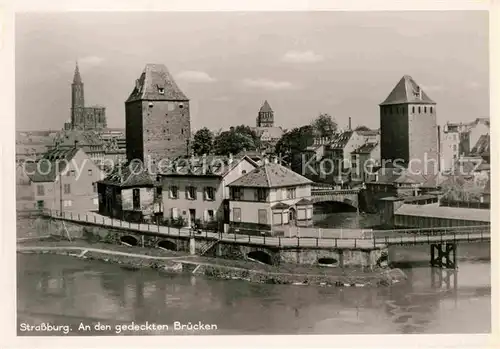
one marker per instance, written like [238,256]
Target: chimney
[420,93]
[76,143]
[349,123]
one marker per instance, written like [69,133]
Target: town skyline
[293,69]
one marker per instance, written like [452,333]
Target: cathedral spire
[77,79]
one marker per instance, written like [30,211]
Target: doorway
[291,216]
[192,217]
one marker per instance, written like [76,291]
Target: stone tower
[157,121]
[77,99]
[265,118]
[409,129]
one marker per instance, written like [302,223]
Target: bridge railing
[436,231]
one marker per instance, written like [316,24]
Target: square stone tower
[408,127]
[157,120]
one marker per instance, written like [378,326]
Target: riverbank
[168,261]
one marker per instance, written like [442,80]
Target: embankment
[174,262]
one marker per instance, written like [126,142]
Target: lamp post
[60,188]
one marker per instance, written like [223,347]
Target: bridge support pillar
[444,255]
[192,246]
[341,259]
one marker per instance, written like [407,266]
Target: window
[290,193]
[136,199]
[191,193]
[181,105]
[236,193]
[67,189]
[211,216]
[67,203]
[262,217]
[431,110]
[209,193]
[243,172]
[236,214]
[419,110]
[425,109]
[182,131]
[261,194]
[161,90]
[94,187]
[95,201]
[412,109]
[89,172]
[454,147]
[174,192]
[40,190]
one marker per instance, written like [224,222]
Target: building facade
[408,128]
[157,120]
[82,117]
[265,117]
[196,193]
[65,179]
[269,197]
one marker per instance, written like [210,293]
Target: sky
[228,63]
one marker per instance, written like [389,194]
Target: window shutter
[256,194]
[205,215]
[205,193]
[174,213]
[195,196]
[187,192]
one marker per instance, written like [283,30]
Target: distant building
[365,162]
[89,141]
[65,178]
[265,117]
[268,197]
[82,117]
[268,134]
[450,140]
[197,191]
[157,120]
[408,127]
[115,147]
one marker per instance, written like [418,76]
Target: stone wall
[231,250]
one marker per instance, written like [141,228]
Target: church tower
[408,127]
[77,99]
[265,118]
[157,120]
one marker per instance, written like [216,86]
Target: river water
[63,290]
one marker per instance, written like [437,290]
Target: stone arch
[129,240]
[261,256]
[167,245]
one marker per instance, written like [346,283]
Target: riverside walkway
[373,240]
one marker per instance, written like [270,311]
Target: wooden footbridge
[443,242]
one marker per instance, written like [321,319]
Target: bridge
[443,241]
[323,193]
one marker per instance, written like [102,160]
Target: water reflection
[65,289]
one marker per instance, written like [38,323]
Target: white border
[7,175]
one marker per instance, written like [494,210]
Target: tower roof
[156,83]
[77,79]
[266,108]
[407,91]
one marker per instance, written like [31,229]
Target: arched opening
[260,256]
[129,240]
[291,215]
[167,245]
[327,261]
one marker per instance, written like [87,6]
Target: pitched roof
[270,175]
[407,91]
[280,206]
[52,161]
[339,140]
[77,79]
[218,166]
[303,202]
[128,176]
[366,148]
[154,78]
[482,147]
[368,132]
[266,108]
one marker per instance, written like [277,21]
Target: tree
[247,130]
[324,125]
[292,145]
[203,142]
[232,142]
[362,128]
[457,188]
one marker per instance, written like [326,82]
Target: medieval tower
[84,118]
[408,126]
[265,118]
[157,121]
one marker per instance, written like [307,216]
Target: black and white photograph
[223,173]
